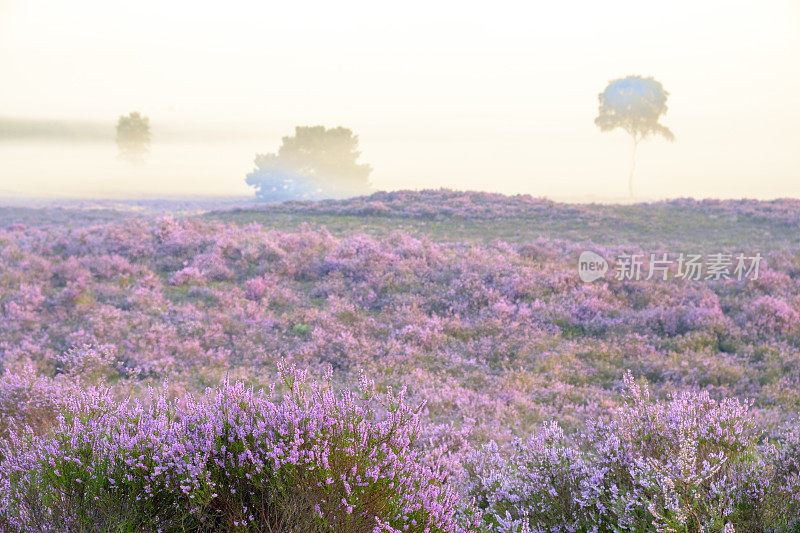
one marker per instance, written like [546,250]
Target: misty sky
[500,96]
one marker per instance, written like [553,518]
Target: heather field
[407,361]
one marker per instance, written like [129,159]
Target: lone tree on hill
[634,104]
[133,137]
[315,163]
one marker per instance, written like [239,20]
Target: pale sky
[499,96]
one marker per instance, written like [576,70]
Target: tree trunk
[633,166]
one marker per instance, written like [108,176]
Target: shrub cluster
[234,459]
[689,464]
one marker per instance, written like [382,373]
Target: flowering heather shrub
[27,399]
[187,276]
[234,459]
[687,464]
[33,402]
[774,316]
[538,487]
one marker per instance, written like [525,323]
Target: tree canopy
[634,104]
[133,137]
[314,163]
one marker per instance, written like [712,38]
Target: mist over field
[356,268]
[498,99]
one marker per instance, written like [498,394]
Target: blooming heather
[233,459]
[112,327]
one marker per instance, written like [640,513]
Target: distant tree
[133,137]
[634,104]
[314,163]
